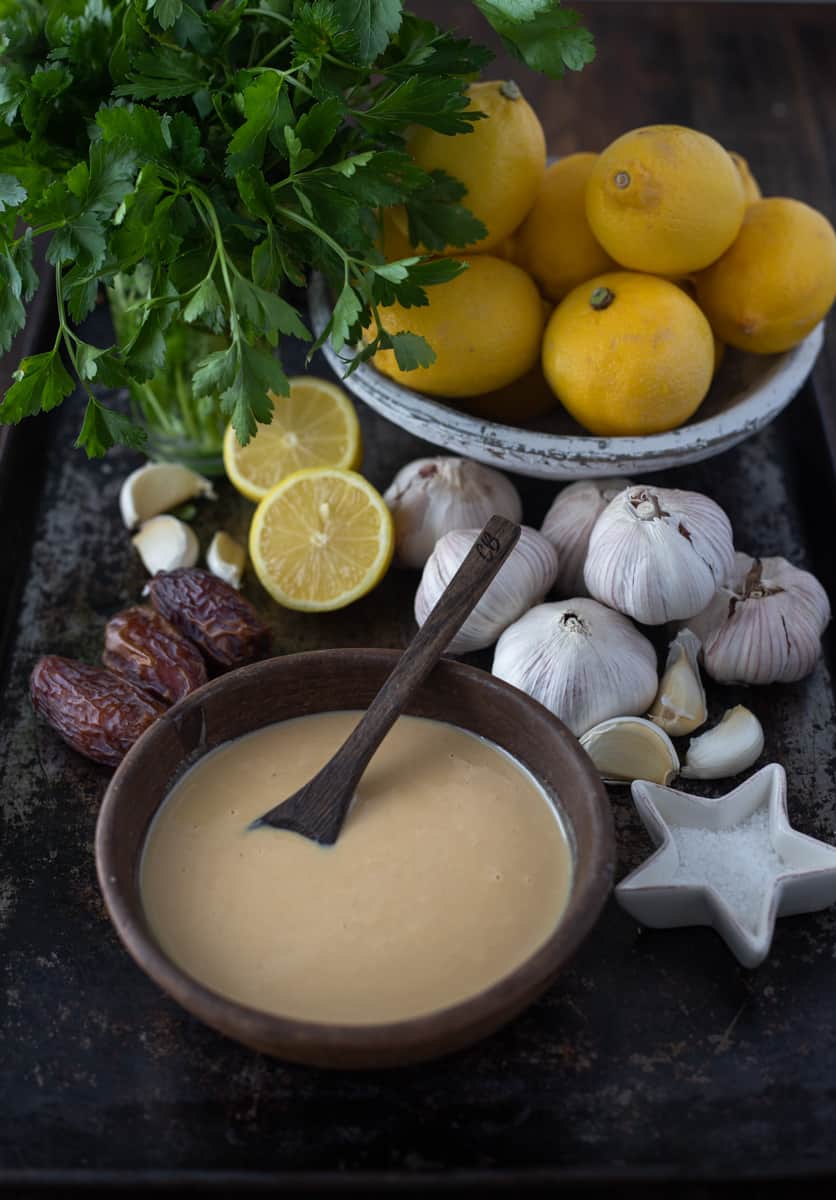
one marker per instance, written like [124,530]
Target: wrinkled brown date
[98,713]
[144,647]
[221,623]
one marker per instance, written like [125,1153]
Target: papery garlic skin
[680,705]
[522,580]
[583,661]
[659,554]
[727,749]
[432,496]
[569,522]
[765,625]
[624,749]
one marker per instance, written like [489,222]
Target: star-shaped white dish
[789,872]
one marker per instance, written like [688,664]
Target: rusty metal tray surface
[655,1057]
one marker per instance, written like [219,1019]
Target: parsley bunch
[201,156]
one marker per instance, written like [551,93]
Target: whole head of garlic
[658,554]
[431,496]
[765,624]
[581,660]
[569,522]
[522,580]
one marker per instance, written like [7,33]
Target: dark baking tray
[655,1058]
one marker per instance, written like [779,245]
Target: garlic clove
[165,543]
[659,554]
[582,661]
[157,487]
[727,749]
[433,496]
[624,749]
[569,523]
[521,581]
[680,706]
[226,558]
[765,625]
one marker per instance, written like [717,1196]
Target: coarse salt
[738,863]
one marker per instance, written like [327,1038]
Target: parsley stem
[277,49]
[298,219]
[220,252]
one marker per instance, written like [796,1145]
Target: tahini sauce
[451,869]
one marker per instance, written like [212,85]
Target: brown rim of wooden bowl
[329,680]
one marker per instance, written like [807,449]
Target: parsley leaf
[543,35]
[166,11]
[267,110]
[103,428]
[373,23]
[436,220]
[440,104]
[11,192]
[411,351]
[41,383]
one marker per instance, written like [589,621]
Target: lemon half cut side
[321,539]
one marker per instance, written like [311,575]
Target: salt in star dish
[734,863]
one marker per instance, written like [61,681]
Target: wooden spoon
[317,810]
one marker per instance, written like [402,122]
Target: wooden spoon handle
[457,601]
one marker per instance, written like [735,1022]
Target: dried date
[98,713]
[223,625]
[145,648]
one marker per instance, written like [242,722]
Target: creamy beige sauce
[451,869]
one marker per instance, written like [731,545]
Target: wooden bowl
[330,680]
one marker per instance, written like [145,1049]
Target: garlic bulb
[658,554]
[569,522]
[165,543]
[727,749]
[432,496]
[628,748]
[680,707]
[581,660]
[765,625]
[522,580]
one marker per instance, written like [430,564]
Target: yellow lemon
[321,539]
[554,243]
[394,243]
[665,199]
[751,188]
[500,162]
[628,354]
[776,282]
[484,327]
[315,425]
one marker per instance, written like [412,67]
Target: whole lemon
[628,354]
[554,242]
[776,282]
[500,162]
[665,199]
[751,188]
[484,326]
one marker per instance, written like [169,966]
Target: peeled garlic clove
[659,554]
[765,625]
[432,496]
[165,543]
[727,749]
[628,748]
[569,522]
[582,661]
[226,558]
[680,707]
[522,580]
[157,487]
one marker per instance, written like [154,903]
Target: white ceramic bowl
[748,392]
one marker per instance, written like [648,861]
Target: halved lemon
[321,539]
[315,426]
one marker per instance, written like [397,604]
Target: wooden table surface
[656,1057]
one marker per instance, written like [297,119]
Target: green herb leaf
[166,11]
[206,306]
[267,110]
[411,351]
[11,192]
[12,312]
[41,383]
[543,35]
[164,75]
[436,220]
[345,317]
[103,428]
[372,21]
[266,311]
[440,104]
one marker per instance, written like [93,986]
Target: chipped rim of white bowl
[559,456]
